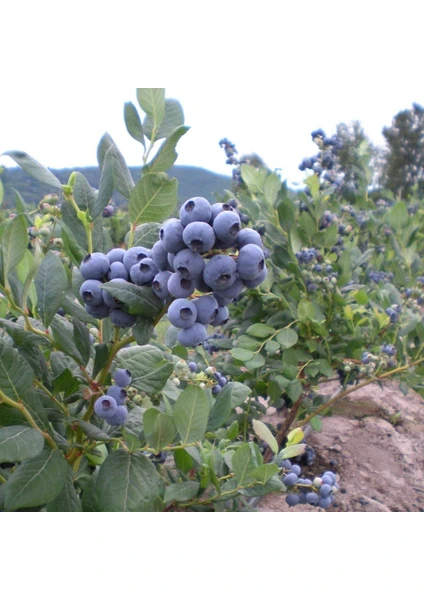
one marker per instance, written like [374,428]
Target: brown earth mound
[376,437]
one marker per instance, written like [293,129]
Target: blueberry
[234,290]
[252,283]
[325,502]
[331,475]
[192,366]
[222,316]
[193,336]
[199,236]
[134,255]
[250,262]
[200,285]
[180,287]
[160,284]
[189,264]
[101,311]
[222,381]
[226,227]
[195,209]
[121,318]
[91,292]
[94,266]
[218,208]
[160,256]
[327,480]
[325,490]
[216,389]
[249,236]
[296,470]
[290,479]
[223,301]
[119,417]
[207,309]
[105,406]
[122,377]
[171,236]
[312,498]
[143,272]
[116,255]
[182,313]
[292,499]
[117,271]
[117,392]
[220,272]
[110,301]
[108,211]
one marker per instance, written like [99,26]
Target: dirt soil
[379,453]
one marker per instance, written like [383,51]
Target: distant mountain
[193,181]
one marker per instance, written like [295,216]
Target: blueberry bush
[133,376]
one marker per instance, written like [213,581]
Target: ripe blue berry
[95,266]
[192,366]
[312,498]
[182,313]
[180,287]
[115,255]
[207,309]
[143,272]
[193,336]
[119,417]
[108,211]
[250,262]
[91,292]
[226,226]
[249,236]
[109,300]
[121,318]
[134,255]
[218,208]
[222,316]
[171,236]
[195,209]
[100,311]
[122,377]
[118,393]
[290,479]
[117,271]
[189,264]
[160,256]
[160,284]
[220,272]
[292,499]
[199,236]
[105,406]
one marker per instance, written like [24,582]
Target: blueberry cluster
[111,407]
[189,257]
[209,345]
[317,275]
[325,162]
[306,255]
[378,276]
[386,359]
[206,378]
[230,151]
[393,312]
[317,492]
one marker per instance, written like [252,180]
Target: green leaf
[306,311]
[127,483]
[221,410]
[92,432]
[291,451]
[398,216]
[14,242]
[159,429]
[133,123]
[143,330]
[254,177]
[18,443]
[73,223]
[84,195]
[154,198]
[173,118]
[191,414]
[183,461]
[152,101]
[36,481]
[287,338]
[295,436]
[316,423]
[271,188]
[71,246]
[82,340]
[263,433]
[139,300]
[16,376]
[260,330]
[114,167]
[256,362]
[181,492]
[148,368]
[67,500]
[101,357]
[51,283]
[145,235]
[238,392]
[34,168]
[166,155]
[264,473]
[242,354]
[273,485]
[244,461]
[63,334]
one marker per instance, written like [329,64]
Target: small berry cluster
[380,276]
[317,276]
[370,362]
[207,378]
[317,492]
[230,151]
[111,407]
[324,163]
[209,345]
[393,312]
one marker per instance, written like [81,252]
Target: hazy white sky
[264,75]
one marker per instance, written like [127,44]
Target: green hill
[193,181]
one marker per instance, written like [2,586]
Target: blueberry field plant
[133,377]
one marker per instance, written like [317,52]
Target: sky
[263,75]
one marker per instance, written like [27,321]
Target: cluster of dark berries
[393,312]
[189,256]
[380,276]
[206,378]
[325,162]
[209,345]
[306,255]
[111,407]
[317,492]
[386,359]
[318,275]
[230,151]
[97,268]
